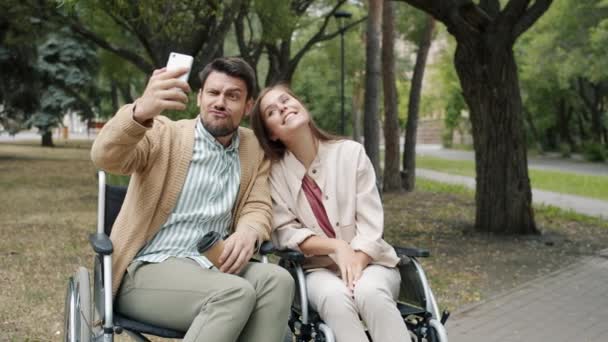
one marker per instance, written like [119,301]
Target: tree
[565,99]
[144,33]
[391,178]
[282,24]
[485,34]
[19,84]
[409,147]
[67,67]
[372,84]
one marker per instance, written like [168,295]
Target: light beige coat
[347,180]
[157,158]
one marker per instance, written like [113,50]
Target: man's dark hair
[234,67]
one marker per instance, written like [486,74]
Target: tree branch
[475,17]
[491,7]
[444,11]
[141,36]
[531,16]
[319,35]
[52,14]
[129,55]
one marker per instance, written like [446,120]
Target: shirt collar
[295,170]
[205,136]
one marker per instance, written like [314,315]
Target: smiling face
[282,114]
[223,103]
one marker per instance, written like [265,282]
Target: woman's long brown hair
[275,150]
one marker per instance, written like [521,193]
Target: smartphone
[178,60]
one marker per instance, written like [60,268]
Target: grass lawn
[48,210]
[567,183]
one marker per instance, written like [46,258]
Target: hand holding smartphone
[178,60]
[164,90]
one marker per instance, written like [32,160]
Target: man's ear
[199,97]
[248,106]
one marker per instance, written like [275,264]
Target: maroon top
[315,200]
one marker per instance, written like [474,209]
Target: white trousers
[374,301]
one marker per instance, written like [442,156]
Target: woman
[326,205]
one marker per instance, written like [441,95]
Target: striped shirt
[205,202]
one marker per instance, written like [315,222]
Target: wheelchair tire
[77,314]
[431,335]
[324,334]
[288,336]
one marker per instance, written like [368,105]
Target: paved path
[583,205]
[554,163]
[30,135]
[568,305]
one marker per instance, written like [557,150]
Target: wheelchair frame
[96,321]
[423,322]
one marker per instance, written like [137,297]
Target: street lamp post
[341,15]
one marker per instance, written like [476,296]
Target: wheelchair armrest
[267,247]
[101,243]
[288,254]
[412,252]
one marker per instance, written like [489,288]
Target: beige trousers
[208,304]
[374,301]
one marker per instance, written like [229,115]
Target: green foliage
[595,152]
[453,117]
[67,68]
[317,79]
[555,57]
[19,82]
[43,121]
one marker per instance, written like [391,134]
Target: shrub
[595,152]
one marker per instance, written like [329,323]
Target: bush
[565,150]
[595,152]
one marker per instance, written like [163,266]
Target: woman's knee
[368,294]
[335,299]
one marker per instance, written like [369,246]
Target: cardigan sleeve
[288,231]
[123,146]
[369,218]
[256,213]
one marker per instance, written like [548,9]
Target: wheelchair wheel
[78,308]
[431,335]
[324,334]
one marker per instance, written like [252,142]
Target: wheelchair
[90,316]
[417,305]
[89,313]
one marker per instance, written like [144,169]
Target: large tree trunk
[391,178]
[372,84]
[485,32]
[47,139]
[411,127]
[488,76]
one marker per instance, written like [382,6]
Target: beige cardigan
[157,159]
[347,179]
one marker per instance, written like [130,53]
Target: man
[188,178]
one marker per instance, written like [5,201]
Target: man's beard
[220,130]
